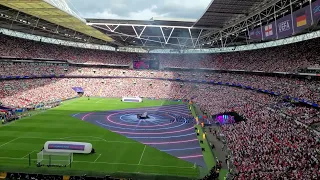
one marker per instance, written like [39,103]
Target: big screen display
[146,64]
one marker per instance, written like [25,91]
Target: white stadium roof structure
[48,18]
[224,23]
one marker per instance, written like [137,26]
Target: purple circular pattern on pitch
[168,128]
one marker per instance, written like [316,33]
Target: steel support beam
[191,38]
[138,35]
[112,30]
[150,25]
[198,37]
[259,16]
[15,19]
[142,38]
[146,36]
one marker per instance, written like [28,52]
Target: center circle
[153,119]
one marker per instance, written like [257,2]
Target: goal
[54,159]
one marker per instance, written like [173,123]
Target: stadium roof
[51,14]
[180,34]
[152,21]
[220,12]
[224,23]
[166,33]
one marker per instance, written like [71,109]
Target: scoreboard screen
[146,64]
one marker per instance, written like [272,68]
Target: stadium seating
[305,89]
[266,146]
[288,58]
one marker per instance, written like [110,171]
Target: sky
[139,9]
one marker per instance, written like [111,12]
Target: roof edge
[204,12]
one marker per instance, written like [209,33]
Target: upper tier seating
[288,58]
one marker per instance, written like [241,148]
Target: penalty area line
[97,158]
[142,154]
[81,138]
[9,142]
[99,100]
[28,154]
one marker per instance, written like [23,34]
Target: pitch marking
[99,100]
[101,139]
[9,142]
[27,154]
[81,138]
[142,154]
[41,111]
[97,158]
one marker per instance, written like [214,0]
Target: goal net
[61,159]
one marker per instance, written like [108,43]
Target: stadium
[234,94]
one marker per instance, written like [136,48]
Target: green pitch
[115,153]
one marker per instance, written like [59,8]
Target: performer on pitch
[143,116]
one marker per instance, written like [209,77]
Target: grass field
[116,153]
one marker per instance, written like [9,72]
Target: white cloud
[145,14]
[140,9]
[188,4]
[106,14]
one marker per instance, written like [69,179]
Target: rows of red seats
[287,58]
[266,146]
[300,88]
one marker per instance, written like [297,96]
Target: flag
[268,30]
[301,19]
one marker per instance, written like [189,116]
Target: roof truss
[146,35]
[240,28]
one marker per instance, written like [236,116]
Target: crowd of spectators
[287,58]
[268,146]
[29,92]
[265,146]
[304,114]
[22,48]
[300,88]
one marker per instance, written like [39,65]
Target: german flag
[301,19]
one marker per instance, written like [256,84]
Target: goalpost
[54,159]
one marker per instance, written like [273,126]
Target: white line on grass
[27,154]
[90,162]
[99,100]
[70,101]
[82,138]
[142,154]
[24,118]
[40,111]
[9,142]
[97,158]
[75,114]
